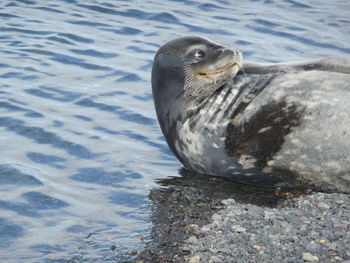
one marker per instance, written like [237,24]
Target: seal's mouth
[220,71]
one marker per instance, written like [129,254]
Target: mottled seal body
[254,123]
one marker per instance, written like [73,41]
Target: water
[80,144]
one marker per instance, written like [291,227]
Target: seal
[262,124]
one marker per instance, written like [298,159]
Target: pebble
[193,228]
[312,246]
[214,259]
[323,205]
[291,260]
[292,219]
[216,217]
[192,240]
[228,202]
[235,212]
[195,259]
[205,229]
[238,229]
[186,249]
[307,257]
[213,250]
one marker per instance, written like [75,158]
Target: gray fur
[271,124]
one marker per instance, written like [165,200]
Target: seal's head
[191,69]
[186,73]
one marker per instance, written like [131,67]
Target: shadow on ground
[183,204]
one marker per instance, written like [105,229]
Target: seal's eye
[198,53]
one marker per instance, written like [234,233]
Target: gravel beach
[315,229]
[212,220]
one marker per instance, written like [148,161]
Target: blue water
[80,143]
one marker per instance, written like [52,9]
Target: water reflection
[9,232]
[35,202]
[11,175]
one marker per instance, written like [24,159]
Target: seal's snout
[226,57]
[223,52]
[228,52]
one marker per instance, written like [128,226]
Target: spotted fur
[267,124]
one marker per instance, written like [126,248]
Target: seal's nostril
[226,51]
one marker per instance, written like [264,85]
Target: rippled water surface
[80,143]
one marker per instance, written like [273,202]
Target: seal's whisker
[245,75]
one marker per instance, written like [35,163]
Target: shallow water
[80,143]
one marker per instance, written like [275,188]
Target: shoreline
[205,219]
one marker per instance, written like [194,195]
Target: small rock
[225,250]
[273,237]
[186,249]
[312,246]
[269,215]
[333,246]
[323,205]
[192,240]
[292,219]
[235,212]
[229,201]
[253,213]
[285,225]
[193,228]
[216,217]
[205,228]
[214,259]
[314,233]
[257,247]
[195,259]
[213,250]
[238,229]
[307,257]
